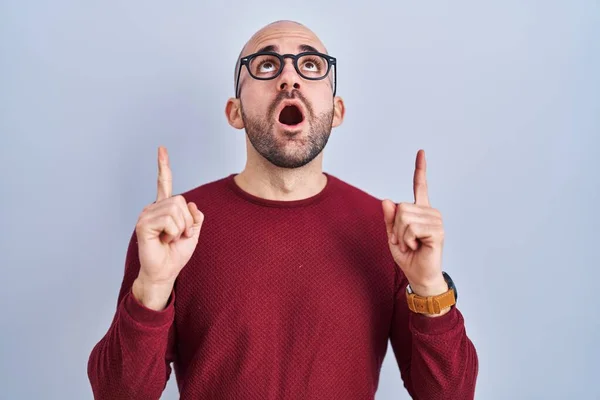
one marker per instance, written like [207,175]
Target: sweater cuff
[146,316]
[436,325]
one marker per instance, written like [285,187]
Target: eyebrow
[302,47]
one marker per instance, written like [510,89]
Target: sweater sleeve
[436,358]
[132,360]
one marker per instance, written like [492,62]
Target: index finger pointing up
[420,180]
[165,180]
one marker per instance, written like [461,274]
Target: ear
[233,112]
[339,110]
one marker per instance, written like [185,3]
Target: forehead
[284,38]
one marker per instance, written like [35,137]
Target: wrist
[441,289]
[154,296]
[433,289]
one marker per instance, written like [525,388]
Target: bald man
[283,281]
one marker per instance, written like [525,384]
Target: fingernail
[393,238]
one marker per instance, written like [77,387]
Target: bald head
[287,110]
[276,30]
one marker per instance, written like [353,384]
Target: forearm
[444,363]
[130,360]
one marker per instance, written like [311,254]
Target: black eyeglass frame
[331,62]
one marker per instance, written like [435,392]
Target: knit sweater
[282,300]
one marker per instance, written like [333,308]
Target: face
[288,120]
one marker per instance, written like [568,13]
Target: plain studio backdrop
[503,97]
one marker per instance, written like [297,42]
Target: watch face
[451,285]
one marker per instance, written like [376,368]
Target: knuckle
[142,220]
[401,212]
[172,224]
[403,219]
[147,209]
[406,216]
[177,222]
[166,220]
[173,208]
[181,200]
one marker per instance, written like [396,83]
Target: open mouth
[291,115]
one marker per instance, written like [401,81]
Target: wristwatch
[432,304]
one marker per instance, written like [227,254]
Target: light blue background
[503,96]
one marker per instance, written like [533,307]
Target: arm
[132,361]
[436,358]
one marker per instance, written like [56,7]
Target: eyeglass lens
[311,66]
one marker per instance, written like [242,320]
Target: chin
[290,163]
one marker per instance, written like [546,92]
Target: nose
[289,78]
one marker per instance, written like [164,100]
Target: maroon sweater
[282,300]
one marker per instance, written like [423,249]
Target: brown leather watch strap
[432,304]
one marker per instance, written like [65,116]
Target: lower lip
[291,127]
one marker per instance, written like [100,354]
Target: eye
[266,66]
[312,64]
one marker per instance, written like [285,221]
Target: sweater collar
[282,203]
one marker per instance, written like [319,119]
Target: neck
[263,179]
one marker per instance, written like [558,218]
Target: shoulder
[357,198]
[214,190]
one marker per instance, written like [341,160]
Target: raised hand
[416,236]
[167,233]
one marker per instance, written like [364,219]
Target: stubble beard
[263,137]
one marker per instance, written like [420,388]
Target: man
[298,279]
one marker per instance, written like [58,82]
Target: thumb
[198,219]
[389,214]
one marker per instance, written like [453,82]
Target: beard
[262,135]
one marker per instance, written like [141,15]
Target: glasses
[310,65]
